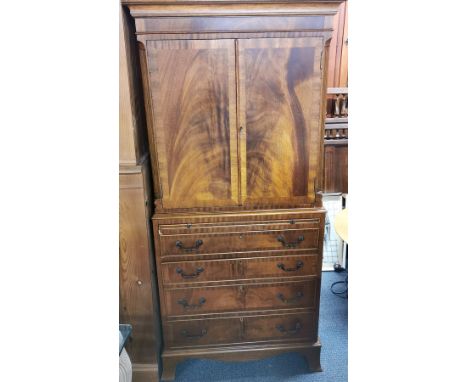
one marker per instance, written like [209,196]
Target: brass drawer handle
[189,276]
[296,329]
[299,265]
[291,300]
[186,305]
[197,245]
[290,244]
[193,336]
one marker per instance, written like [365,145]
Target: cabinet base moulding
[145,372]
[311,352]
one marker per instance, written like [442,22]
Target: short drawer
[193,301]
[202,332]
[280,327]
[189,272]
[238,237]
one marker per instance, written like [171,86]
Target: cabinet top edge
[236,214]
[233,2]
[223,8]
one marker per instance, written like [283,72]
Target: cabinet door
[193,94]
[279,117]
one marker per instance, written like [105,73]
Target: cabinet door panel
[193,94]
[279,111]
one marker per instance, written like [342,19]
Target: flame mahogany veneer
[234,99]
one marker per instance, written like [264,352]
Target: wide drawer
[204,300]
[192,272]
[184,239]
[203,332]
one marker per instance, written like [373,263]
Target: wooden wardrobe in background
[137,285]
[234,100]
[336,137]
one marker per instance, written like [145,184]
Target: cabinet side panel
[126,127]
[133,141]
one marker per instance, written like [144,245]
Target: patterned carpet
[291,367]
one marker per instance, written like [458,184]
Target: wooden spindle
[344,106]
[337,106]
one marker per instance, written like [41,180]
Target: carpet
[289,367]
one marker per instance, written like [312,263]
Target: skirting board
[145,372]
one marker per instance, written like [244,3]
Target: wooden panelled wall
[138,293]
[336,168]
[338,55]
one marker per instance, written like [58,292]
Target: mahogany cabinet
[234,101]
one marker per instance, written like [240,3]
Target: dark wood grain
[202,332]
[229,35]
[246,268]
[232,24]
[280,327]
[239,268]
[247,241]
[225,331]
[194,121]
[280,92]
[250,297]
[242,299]
[237,225]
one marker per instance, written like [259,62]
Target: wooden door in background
[280,98]
[193,91]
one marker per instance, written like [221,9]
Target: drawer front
[202,332]
[225,242]
[202,300]
[189,272]
[193,301]
[188,227]
[280,327]
[282,266]
[285,295]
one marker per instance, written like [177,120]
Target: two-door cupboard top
[234,101]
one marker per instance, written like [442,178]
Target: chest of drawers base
[309,350]
[239,286]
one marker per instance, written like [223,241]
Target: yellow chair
[341,229]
